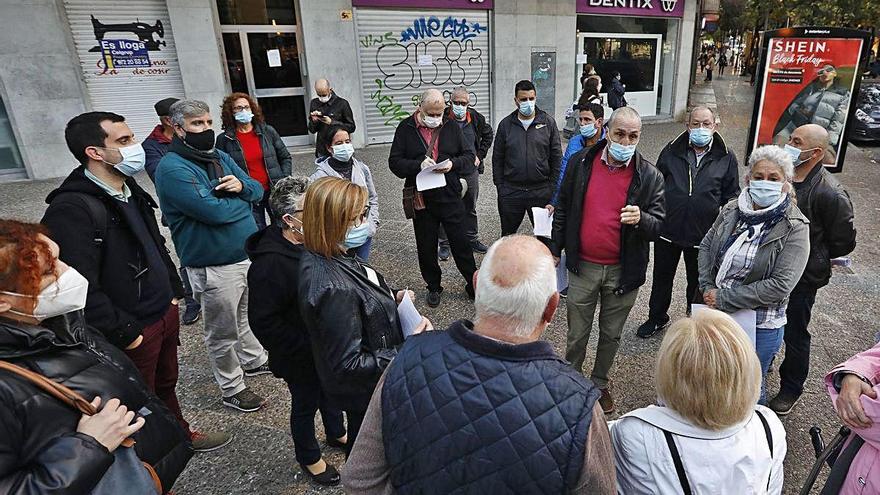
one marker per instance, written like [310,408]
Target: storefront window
[10,158]
[278,12]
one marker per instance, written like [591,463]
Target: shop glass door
[10,159]
[635,56]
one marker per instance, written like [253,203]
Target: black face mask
[202,141]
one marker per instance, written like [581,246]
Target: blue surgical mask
[244,116]
[620,152]
[765,192]
[700,136]
[527,108]
[357,236]
[589,130]
[343,152]
[795,153]
[133,160]
[459,111]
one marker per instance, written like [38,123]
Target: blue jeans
[363,251]
[767,344]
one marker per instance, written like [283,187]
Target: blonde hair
[331,206]
[708,371]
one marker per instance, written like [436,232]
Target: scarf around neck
[208,160]
[748,219]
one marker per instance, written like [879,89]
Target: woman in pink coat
[853,387]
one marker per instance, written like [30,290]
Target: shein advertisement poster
[810,76]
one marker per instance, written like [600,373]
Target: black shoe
[478,247]
[443,252]
[784,402]
[191,314]
[330,476]
[259,370]
[332,442]
[651,328]
[433,298]
[563,293]
[245,401]
[469,289]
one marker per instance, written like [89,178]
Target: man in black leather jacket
[826,204]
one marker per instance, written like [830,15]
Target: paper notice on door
[274,57]
[409,316]
[746,318]
[425,60]
[543,222]
[429,179]
[581,58]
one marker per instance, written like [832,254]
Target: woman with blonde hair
[348,309]
[707,435]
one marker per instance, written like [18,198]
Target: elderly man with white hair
[425,140]
[756,251]
[487,407]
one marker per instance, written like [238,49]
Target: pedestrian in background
[617,92]
[707,424]
[424,140]
[255,146]
[478,132]
[710,64]
[700,176]
[340,162]
[327,109]
[207,200]
[722,63]
[273,304]
[826,204]
[756,251]
[513,377]
[610,207]
[526,160]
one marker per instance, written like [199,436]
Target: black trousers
[470,210]
[306,398]
[666,257]
[796,365]
[355,418]
[708,74]
[426,224]
[513,203]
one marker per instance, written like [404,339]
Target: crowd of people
[277,266]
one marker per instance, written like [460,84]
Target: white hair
[432,96]
[775,155]
[521,306]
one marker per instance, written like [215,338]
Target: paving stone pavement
[261,461]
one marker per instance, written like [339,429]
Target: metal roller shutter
[404,52]
[140,78]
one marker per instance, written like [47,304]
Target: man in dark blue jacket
[502,413]
[700,176]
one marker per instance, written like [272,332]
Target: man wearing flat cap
[156,144]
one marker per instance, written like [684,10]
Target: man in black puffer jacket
[700,175]
[826,204]
[487,407]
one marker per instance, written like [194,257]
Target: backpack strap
[769,436]
[676,459]
[97,211]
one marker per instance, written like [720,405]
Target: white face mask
[432,122]
[324,99]
[67,294]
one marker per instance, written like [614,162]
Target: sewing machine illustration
[142,30]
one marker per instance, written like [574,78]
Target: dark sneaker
[206,442]
[443,253]
[606,401]
[469,289]
[245,401]
[651,328]
[192,313]
[330,476]
[564,293]
[259,370]
[784,402]
[433,298]
[479,247]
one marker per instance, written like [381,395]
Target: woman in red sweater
[254,145]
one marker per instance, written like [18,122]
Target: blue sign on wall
[124,54]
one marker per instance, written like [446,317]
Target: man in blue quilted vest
[487,407]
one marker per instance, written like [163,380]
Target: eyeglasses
[241,108]
[704,125]
[362,217]
[460,103]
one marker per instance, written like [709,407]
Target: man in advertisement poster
[824,102]
[827,205]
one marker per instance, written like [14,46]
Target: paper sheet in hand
[746,318]
[543,222]
[409,315]
[428,179]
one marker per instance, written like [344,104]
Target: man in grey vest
[514,417]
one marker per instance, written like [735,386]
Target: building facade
[59,58]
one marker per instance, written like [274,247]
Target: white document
[428,179]
[409,316]
[543,222]
[581,58]
[746,318]
[425,60]
[274,57]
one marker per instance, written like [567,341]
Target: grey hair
[461,90]
[182,109]
[288,195]
[701,107]
[521,306]
[625,112]
[432,96]
[775,155]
